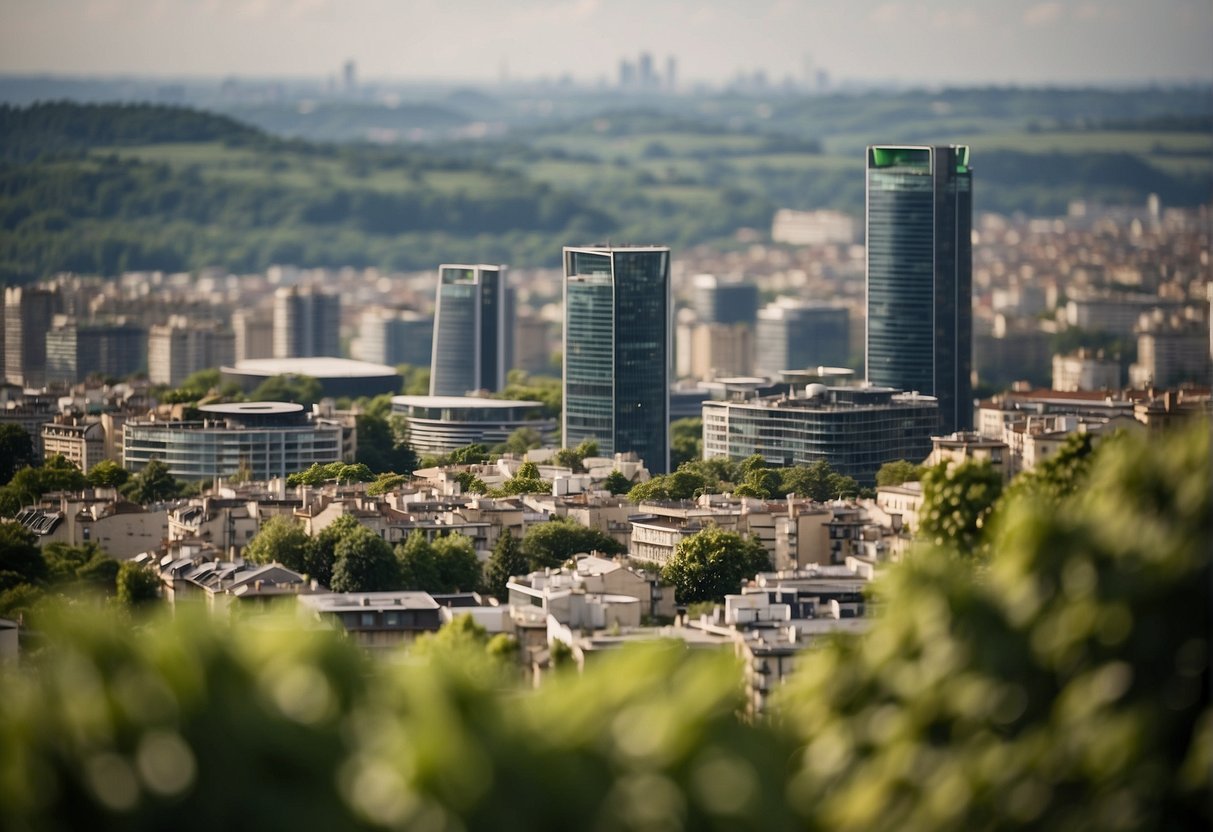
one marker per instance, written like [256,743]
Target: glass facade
[617,351]
[854,430]
[469,331]
[919,275]
[801,336]
[204,450]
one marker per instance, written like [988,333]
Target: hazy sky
[959,41]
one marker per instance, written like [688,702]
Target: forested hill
[102,189]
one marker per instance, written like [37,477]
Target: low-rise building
[376,620]
[440,424]
[80,441]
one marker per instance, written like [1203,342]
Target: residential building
[28,314]
[919,275]
[855,430]
[377,621]
[111,350]
[120,528]
[813,228]
[254,330]
[1084,370]
[719,301]
[617,350]
[181,347]
[264,439]
[1172,354]
[472,335]
[396,337]
[720,350]
[81,441]
[969,446]
[307,323]
[793,335]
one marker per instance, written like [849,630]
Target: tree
[29,484]
[552,543]
[383,444]
[300,389]
[683,484]
[16,450]
[895,473]
[956,503]
[526,481]
[154,484]
[817,481]
[137,585]
[713,563]
[762,483]
[617,483]
[506,562]
[574,458]
[386,483]
[458,565]
[686,440]
[320,558]
[364,562]
[417,563]
[339,472]
[469,483]
[85,565]
[21,562]
[280,539]
[522,440]
[108,474]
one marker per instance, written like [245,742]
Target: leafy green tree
[683,484]
[418,563]
[280,539]
[552,543]
[458,565]
[137,585]
[817,481]
[473,454]
[763,483]
[522,387]
[469,483]
[522,440]
[525,481]
[506,561]
[320,558]
[153,484]
[617,483]
[364,562]
[713,563]
[574,458]
[895,473]
[339,472]
[686,440]
[300,389]
[416,380]
[383,443]
[20,600]
[85,566]
[108,474]
[386,483]
[956,504]
[16,450]
[29,484]
[21,562]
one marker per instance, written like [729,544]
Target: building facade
[440,424]
[396,337]
[796,335]
[28,314]
[75,351]
[718,301]
[855,430]
[471,331]
[919,275]
[264,439]
[307,322]
[180,348]
[617,351]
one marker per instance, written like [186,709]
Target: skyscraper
[470,331]
[793,335]
[307,323]
[920,265]
[28,313]
[617,350]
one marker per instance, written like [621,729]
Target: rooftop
[251,408]
[317,367]
[456,402]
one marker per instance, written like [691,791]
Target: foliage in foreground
[1062,686]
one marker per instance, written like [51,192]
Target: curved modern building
[268,439]
[470,327]
[337,376]
[617,351]
[440,424]
[854,429]
[920,275]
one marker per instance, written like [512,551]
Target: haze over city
[945,41]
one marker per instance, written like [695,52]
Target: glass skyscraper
[617,351]
[470,331]
[920,267]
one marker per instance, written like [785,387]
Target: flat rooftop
[457,402]
[320,367]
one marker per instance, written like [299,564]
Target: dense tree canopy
[895,473]
[506,561]
[713,563]
[363,562]
[280,539]
[550,544]
[16,450]
[957,502]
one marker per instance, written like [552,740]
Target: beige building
[120,528]
[180,348]
[1084,370]
[81,442]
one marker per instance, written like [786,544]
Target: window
[367,619]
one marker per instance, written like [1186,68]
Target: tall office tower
[396,337]
[28,313]
[719,301]
[794,335]
[470,330]
[75,350]
[307,323]
[180,348]
[617,351]
[254,334]
[920,270]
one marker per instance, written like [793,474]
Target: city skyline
[1024,41]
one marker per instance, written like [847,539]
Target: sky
[943,41]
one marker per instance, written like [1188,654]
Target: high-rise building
[920,267]
[470,330]
[794,335]
[75,351]
[617,350]
[396,337]
[719,301]
[307,323]
[181,348]
[28,314]
[254,330]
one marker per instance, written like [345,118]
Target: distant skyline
[944,41]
